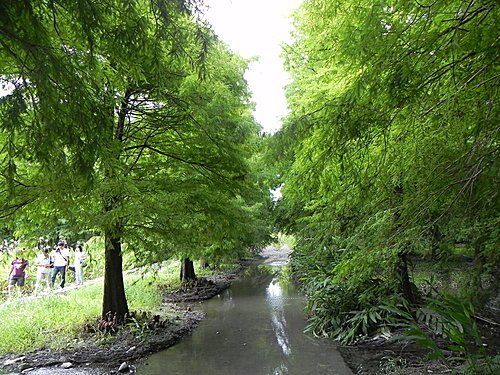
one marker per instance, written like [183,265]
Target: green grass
[48,321]
[57,320]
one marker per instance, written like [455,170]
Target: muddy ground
[379,356]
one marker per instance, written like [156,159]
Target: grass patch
[453,277]
[56,320]
[48,321]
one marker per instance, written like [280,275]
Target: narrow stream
[253,328]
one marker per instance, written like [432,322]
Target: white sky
[258,28]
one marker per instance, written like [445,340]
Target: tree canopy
[130,120]
[391,148]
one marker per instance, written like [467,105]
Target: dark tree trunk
[404,276]
[204,264]
[436,237]
[402,265]
[477,272]
[114,301]
[187,271]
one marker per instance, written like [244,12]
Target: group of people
[49,264]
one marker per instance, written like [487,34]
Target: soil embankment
[170,323]
[176,319]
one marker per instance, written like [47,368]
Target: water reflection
[276,302]
[254,328]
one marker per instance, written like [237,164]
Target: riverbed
[254,328]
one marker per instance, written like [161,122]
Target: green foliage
[453,319]
[131,121]
[56,319]
[346,306]
[285,240]
[337,311]
[390,149]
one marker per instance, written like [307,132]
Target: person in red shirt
[17,275]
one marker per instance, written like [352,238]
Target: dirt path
[275,255]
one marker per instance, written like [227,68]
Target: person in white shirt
[79,263]
[42,263]
[60,259]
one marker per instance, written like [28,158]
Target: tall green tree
[123,117]
[392,144]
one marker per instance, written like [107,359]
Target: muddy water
[253,328]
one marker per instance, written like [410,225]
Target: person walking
[17,274]
[42,263]
[60,257]
[79,263]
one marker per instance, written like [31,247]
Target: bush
[452,318]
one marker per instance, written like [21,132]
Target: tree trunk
[114,300]
[402,264]
[187,271]
[477,272]
[204,264]
[436,237]
[404,276]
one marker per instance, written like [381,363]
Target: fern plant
[453,319]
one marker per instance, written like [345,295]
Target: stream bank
[93,355]
[97,353]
